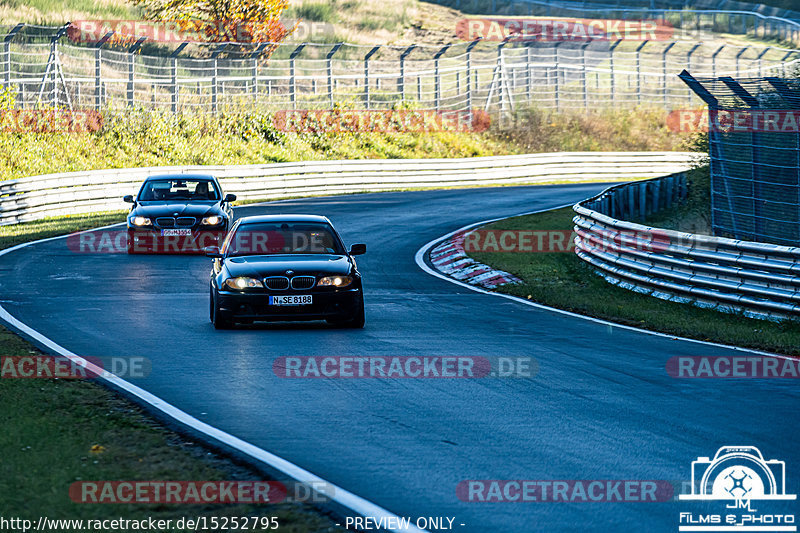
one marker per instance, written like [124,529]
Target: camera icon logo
[738,473]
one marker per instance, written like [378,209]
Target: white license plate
[290,300]
[176,232]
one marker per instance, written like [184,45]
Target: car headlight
[335,281]
[212,220]
[140,221]
[243,283]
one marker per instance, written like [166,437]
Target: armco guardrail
[37,197]
[763,280]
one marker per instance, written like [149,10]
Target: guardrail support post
[643,200]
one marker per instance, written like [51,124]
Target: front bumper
[342,303]
[150,240]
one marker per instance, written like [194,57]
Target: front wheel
[218,317]
[355,322]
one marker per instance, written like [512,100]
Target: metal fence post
[611,70]
[469,72]
[329,67]
[529,70]
[7,54]
[639,71]
[714,60]
[760,59]
[738,57]
[585,75]
[292,81]
[131,68]
[689,65]
[438,78]
[215,76]
[254,68]
[556,89]
[98,85]
[366,74]
[174,84]
[401,81]
[664,54]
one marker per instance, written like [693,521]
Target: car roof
[283,218]
[181,176]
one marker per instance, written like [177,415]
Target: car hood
[168,209]
[259,266]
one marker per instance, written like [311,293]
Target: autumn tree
[220,21]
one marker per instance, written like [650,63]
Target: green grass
[142,138]
[562,280]
[316,11]
[14,234]
[51,427]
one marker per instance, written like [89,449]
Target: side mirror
[358,249]
[230,198]
[212,251]
[128,198]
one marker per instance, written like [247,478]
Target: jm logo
[738,473]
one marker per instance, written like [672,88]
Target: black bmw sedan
[178,213]
[285,267]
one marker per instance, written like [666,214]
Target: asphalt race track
[601,407]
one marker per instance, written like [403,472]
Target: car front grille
[165,222]
[303,282]
[277,283]
[186,221]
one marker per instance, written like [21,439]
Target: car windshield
[167,190]
[282,238]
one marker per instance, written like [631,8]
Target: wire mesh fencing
[754,140]
[494,76]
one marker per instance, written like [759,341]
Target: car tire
[356,321]
[219,319]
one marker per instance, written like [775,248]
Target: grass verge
[562,280]
[56,432]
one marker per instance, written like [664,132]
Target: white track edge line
[345,498]
[419,258]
